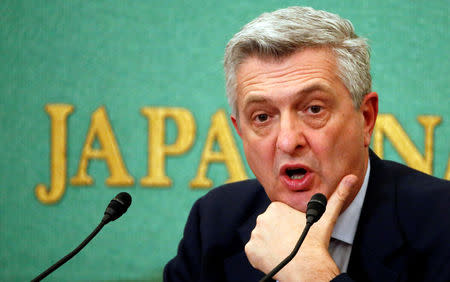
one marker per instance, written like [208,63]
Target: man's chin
[299,207]
[298,202]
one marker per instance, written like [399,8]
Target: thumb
[336,203]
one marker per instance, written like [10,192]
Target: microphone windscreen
[118,206]
[316,207]
[125,199]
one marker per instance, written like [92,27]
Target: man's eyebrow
[256,99]
[314,87]
[304,92]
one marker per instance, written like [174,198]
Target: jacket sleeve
[343,277]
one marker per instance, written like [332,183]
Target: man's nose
[291,134]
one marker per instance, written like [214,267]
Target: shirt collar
[346,224]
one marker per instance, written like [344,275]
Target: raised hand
[278,229]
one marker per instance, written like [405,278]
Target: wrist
[311,269]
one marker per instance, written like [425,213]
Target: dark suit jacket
[403,233]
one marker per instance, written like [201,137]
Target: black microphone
[116,208]
[314,210]
[316,207]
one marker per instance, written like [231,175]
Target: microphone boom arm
[71,254]
[116,208]
[290,256]
[315,208]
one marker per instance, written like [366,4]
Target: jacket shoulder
[232,193]
[422,202]
[231,204]
[413,179]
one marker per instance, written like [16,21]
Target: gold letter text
[388,125]
[100,128]
[219,132]
[158,149]
[58,162]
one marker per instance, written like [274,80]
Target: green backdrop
[126,55]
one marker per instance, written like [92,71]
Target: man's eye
[262,117]
[315,109]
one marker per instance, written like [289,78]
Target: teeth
[297,173]
[297,176]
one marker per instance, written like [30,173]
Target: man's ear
[236,125]
[369,110]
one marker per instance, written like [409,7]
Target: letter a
[219,131]
[101,129]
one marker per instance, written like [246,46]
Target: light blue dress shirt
[344,231]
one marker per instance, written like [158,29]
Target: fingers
[274,236]
[336,202]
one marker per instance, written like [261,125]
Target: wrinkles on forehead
[263,76]
[308,89]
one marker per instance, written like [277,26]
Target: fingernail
[350,180]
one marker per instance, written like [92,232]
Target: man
[299,85]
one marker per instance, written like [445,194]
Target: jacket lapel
[378,236]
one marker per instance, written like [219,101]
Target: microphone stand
[116,208]
[73,253]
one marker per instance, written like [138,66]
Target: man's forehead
[280,59]
[310,69]
[303,92]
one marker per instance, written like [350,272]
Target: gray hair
[285,31]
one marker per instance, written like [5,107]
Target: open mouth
[296,173]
